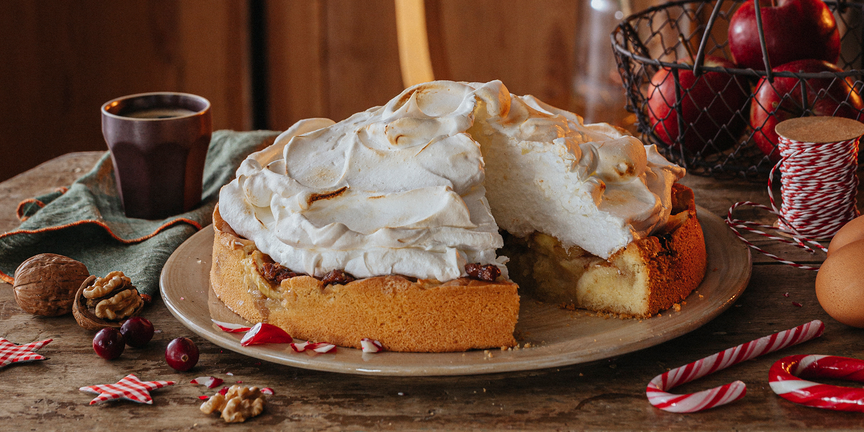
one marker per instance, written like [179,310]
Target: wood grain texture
[330,58]
[62,61]
[527,45]
[296,61]
[363,56]
[323,58]
[333,58]
[605,395]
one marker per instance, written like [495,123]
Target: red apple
[794,30]
[708,106]
[772,104]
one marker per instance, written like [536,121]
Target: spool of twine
[819,181]
[819,160]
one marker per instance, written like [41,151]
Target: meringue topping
[403,188]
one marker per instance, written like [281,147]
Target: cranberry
[181,354]
[137,331]
[109,343]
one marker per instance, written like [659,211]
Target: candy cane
[784,380]
[731,392]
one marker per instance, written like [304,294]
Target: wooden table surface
[607,394]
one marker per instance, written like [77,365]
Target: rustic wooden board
[606,395]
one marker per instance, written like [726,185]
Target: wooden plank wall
[333,58]
[62,59]
[324,58]
[329,58]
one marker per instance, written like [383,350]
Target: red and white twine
[818,186]
[717,396]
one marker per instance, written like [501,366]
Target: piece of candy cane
[319,347]
[210,382]
[230,327]
[731,392]
[371,346]
[784,380]
[264,333]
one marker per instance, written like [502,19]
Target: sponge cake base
[402,313]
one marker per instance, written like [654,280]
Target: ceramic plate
[558,337]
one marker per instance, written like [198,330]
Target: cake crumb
[677,307]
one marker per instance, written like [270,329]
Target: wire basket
[711,104]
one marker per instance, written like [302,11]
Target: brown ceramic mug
[158,144]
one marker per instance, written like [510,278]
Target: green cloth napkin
[87,222]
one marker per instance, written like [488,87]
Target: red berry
[109,343]
[181,354]
[137,331]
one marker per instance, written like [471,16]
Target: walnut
[106,285]
[338,277]
[106,302]
[119,306]
[239,404]
[488,272]
[275,273]
[45,284]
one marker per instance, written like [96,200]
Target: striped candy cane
[731,392]
[784,380]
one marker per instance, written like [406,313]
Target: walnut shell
[46,284]
[85,313]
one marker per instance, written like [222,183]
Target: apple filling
[647,276]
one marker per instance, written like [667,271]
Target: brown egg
[852,231]
[840,284]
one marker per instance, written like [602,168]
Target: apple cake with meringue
[386,225]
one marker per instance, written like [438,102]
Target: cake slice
[651,274]
[595,218]
[386,225]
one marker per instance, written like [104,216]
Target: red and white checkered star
[130,387]
[11,353]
